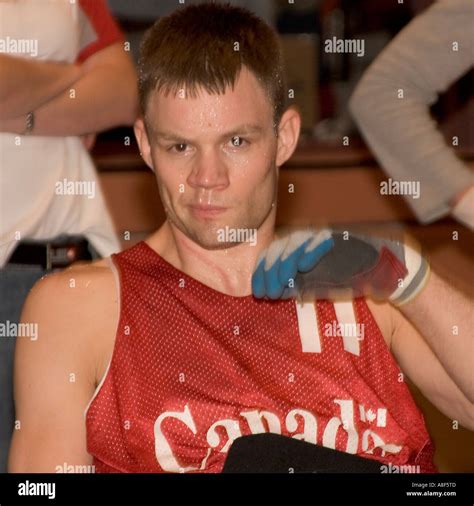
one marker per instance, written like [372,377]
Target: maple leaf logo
[370,415]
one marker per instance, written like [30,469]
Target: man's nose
[209,170]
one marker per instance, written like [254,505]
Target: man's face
[214,151]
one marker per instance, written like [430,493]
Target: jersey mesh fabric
[193,368]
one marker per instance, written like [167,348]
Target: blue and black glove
[314,264]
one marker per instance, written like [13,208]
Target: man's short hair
[206,46]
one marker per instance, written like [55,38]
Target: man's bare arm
[55,375]
[419,362]
[27,84]
[445,318]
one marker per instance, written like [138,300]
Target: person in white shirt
[65,76]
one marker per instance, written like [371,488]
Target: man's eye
[237,141]
[178,148]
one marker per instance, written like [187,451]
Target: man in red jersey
[157,359]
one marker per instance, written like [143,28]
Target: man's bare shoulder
[78,305]
[82,283]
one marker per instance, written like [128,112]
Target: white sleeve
[421,60]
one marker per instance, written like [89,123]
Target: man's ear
[141,135]
[288,134]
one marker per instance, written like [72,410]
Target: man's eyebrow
[246,129]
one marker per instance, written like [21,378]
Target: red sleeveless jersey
[193,369]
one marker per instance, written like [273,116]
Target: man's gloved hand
[325,264]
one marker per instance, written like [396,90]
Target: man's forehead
[246,97]
[175,120]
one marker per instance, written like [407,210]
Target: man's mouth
[205,211]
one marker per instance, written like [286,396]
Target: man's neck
[225,270]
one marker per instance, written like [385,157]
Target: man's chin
[215,239]
[216,234]
[213,245]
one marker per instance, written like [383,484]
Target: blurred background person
[391,106]
[65,76]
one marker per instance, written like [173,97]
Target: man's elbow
[131,92]
[466,415]
[468,423]
[119,94]
[131,112]
[375,97]
[360,106]
[16,459]
[355,103]
[126,105]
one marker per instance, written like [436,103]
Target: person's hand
[311,264]
[278,265]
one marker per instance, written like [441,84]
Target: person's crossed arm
[27,84]
[70,99]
